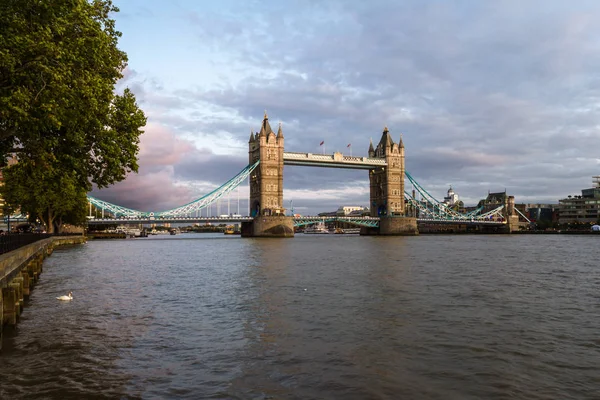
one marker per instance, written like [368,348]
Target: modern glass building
[584,208]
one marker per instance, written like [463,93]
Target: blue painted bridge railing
[370,222]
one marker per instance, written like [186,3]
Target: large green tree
[59,113]
[60,199]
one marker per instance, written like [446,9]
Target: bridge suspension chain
[435,209]
[185,210]
[211,197]
[432,206]
[114,209]
[429,206]
[496,211]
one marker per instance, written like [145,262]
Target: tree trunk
[49,221]
[58,225]
[42,219]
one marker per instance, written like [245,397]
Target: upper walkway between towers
[335,160]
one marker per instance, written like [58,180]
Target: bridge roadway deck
[369,220]
[419,220]
[169,220]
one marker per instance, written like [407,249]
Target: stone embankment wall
[19,272]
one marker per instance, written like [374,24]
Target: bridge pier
[399,226]
[269,226]
[26,283]
[513,224]
[9,306]
[17,283]
[393,226]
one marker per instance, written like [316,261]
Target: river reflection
[349,317]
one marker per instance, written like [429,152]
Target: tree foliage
[59,199]
[59,114]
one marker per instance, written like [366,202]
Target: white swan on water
[68,297]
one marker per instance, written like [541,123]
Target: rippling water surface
[314,317]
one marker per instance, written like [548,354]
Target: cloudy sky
[489,95]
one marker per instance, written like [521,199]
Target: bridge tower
[266,182]
[387,188]
[266,185]
[512,219]
[387,183]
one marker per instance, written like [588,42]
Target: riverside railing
[13,241]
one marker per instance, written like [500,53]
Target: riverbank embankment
[19,272]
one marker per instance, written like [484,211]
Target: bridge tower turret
[387,183]
[266,182]
[387,188]
[266,185]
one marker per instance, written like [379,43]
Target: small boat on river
[232,230]
[317,229]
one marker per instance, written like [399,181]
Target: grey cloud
[490,95]
[216,169]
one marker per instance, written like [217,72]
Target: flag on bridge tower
[322,143]
[349,144]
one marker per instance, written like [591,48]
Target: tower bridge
[385,164]
[393,210]
[371,222]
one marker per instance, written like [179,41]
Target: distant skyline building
[540,212]
[584,208]
[451,198]
[346,210]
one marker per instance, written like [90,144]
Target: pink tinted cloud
[154,191]
[161,147]
[153,188]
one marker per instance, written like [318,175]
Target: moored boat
[346,231]
[317,229]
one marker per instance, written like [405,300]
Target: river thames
[204,316]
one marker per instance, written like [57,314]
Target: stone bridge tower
[387,183]
[387,188]
[266,184]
